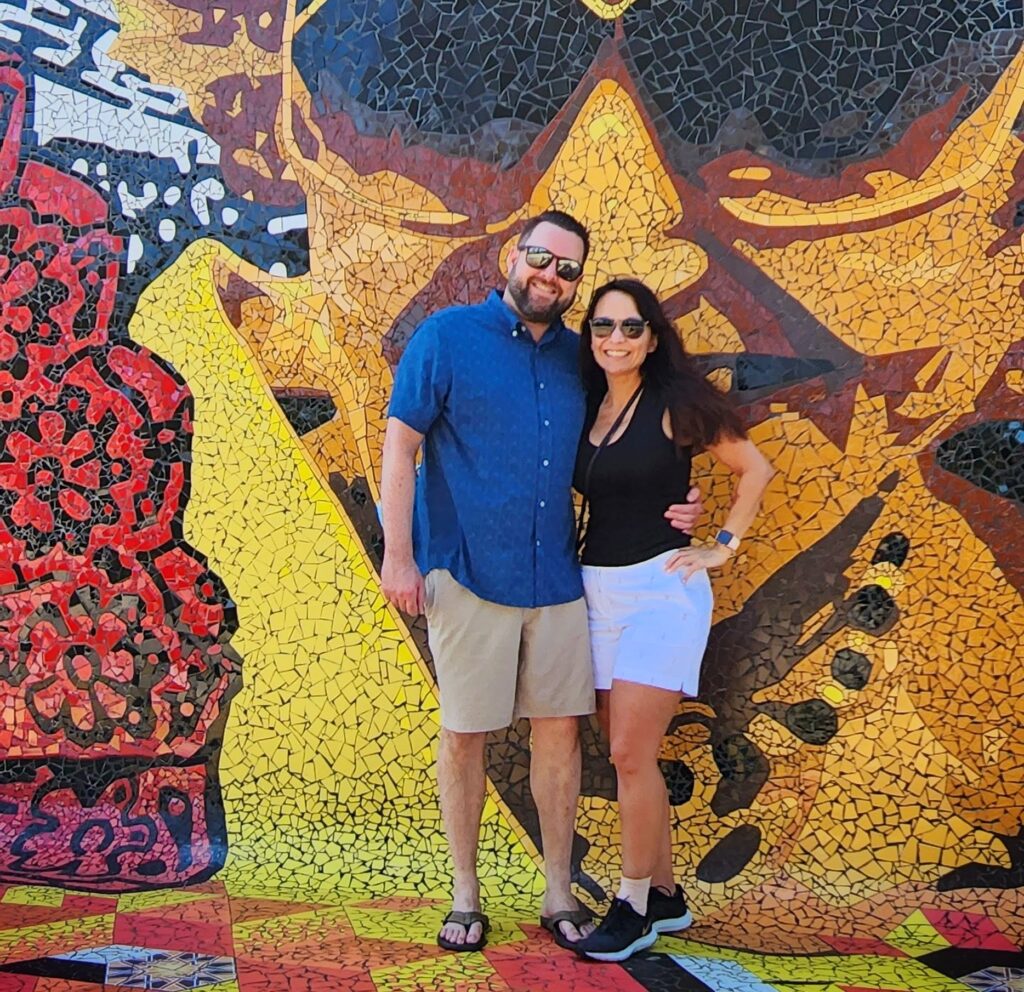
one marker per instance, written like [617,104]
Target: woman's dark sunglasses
[604,327]
[540,258]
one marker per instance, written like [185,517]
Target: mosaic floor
[210,937]
[220,223]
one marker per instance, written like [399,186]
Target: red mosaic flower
[113,632]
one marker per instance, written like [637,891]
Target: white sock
[634,891]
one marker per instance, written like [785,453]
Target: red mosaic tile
[969,930]
[269,976]
[246,910]
[69,985]
[539,963]
[79,904]
[398,904]
[18,983]
[155,930]
[15,917]
[862,945]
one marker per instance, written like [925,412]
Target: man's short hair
[559,219]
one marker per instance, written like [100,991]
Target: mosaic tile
[172,971]
[32,895]
[723,976]
[301,948]
[713,77]
[959,962]
[219,227]
[916,935]
[996,980]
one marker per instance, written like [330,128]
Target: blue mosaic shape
[722,976]
[170,971]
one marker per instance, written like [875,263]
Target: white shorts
[647,625]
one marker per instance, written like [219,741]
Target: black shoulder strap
[630,403]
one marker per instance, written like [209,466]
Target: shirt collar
[509,322]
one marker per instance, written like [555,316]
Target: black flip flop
[577,917]
[464,919]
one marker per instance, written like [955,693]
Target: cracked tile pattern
[219,226]
[214,937]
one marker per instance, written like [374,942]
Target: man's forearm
[397,488]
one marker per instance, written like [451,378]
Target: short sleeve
[422,379]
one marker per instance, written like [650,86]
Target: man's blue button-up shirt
[502,417]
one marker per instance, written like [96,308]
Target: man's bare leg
[555,784]
[460,777]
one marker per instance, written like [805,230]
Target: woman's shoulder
[654,398]
[593,400]
[654,393]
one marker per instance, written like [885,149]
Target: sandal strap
[577,917]
[466,918]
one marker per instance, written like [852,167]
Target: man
[489,551]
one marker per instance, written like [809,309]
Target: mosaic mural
[220,223]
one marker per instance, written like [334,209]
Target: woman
[648,595]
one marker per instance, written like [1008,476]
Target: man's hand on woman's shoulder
[684,516]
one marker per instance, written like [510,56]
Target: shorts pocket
[429,590]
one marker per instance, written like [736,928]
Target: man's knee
[462,748]
[554,733]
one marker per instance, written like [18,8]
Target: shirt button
[542,385]
[542,504]
[538,542]
[545,463]
[547,423]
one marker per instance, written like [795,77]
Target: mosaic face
[113,632]
[833,225]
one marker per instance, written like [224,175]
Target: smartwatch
[730,540]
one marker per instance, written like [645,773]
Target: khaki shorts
[496,663]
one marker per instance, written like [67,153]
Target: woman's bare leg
[638,716]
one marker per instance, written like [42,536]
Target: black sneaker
[620,934]
[668,913]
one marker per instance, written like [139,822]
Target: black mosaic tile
[893,548]
[73,971]
[730,855]
[988,455]
[810,81]
[813,82]
[958,962]
[449,73]
[851,669]
[659,973]
[306,409]
[872,609]
[812,720]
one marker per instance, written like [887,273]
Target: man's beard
[546,313]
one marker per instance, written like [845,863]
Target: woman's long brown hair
[700,413]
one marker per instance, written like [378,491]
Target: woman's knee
[631,757]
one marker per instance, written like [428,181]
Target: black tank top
[633,482]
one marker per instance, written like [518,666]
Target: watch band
[730,540]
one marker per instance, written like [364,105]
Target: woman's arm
[753,473]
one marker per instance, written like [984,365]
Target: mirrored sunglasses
[540,258]
[604,327]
